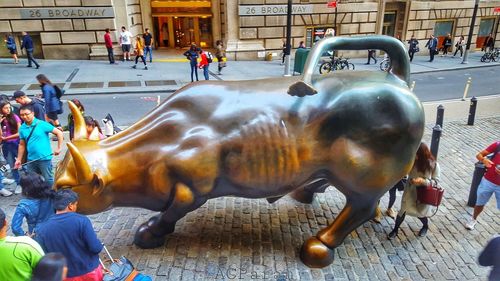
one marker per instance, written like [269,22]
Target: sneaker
[145,68]
[4,192]
[471,224]
[391,213]
[7,181]
[18,190]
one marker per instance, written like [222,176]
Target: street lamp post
[288,38]
[471,31]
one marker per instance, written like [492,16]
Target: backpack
[210,57]
[59,92]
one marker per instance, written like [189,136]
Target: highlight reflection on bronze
[357,131]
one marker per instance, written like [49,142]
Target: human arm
[20,154]
[435,175]
[16,135]
[17,220]
[60,139]
[93,243]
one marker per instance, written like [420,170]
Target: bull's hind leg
[318,251]
[152,234]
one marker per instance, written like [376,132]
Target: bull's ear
[301,89]
[98,183]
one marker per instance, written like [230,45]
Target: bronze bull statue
[357,131]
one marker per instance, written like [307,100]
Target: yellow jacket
[139,47]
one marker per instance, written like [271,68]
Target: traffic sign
[331,4]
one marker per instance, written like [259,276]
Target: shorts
[12,51]
[126,47]
[484,192]
[52,115]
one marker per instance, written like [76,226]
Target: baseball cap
[63,198]
[18,94]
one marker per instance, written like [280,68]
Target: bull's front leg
[318,251]
[152,234]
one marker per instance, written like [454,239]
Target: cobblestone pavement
[243,239]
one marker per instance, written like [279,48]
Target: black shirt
[147,38]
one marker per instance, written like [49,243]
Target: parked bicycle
[339,63]
[385,65]
[493,55]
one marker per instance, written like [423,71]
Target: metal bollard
[476,179]
[440,115]
[472,111]
[467,86]
[436,135]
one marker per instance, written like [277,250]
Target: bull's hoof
[145,238]
[316,254]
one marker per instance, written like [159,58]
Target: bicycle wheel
[483,58]
[325,68]
[384,65]
[487,57]
[350,66]
[494,57]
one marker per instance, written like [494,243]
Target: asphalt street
[126,109]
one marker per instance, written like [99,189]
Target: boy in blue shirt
[72,235]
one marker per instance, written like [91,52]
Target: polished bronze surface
[355,130]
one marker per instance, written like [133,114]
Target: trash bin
[300,60]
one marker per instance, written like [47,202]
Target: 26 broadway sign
[264,10]
[71,13]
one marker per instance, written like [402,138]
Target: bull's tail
[392,46]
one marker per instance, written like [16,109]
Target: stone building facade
[73,29]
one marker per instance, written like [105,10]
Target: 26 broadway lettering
[282,10]
[57,13]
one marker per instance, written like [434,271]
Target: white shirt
[125,36]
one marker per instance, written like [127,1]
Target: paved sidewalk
[89,77]
[234,238]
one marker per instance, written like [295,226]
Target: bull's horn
[94,135]
[83,173]
[80,132]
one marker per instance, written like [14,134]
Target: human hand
[57,151]
[417,181]
[487,162]
[17,164]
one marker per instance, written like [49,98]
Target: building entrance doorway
[178,24]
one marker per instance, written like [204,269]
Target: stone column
[216,22]
[235,48]
[147,18]
[380,16]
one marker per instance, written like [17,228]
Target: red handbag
[430,194]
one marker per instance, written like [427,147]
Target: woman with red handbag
[425,169]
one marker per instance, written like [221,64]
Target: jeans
[411,54]
[205,72]
[194,69]
[9,150]
[111,56]
[148,50]
[432,52]
[31,58]
[142,58]
[44,168]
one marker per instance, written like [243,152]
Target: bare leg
[477,211]
[318,251]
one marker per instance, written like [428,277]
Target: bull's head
[84,168]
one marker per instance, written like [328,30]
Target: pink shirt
[7,130]
[490,174]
